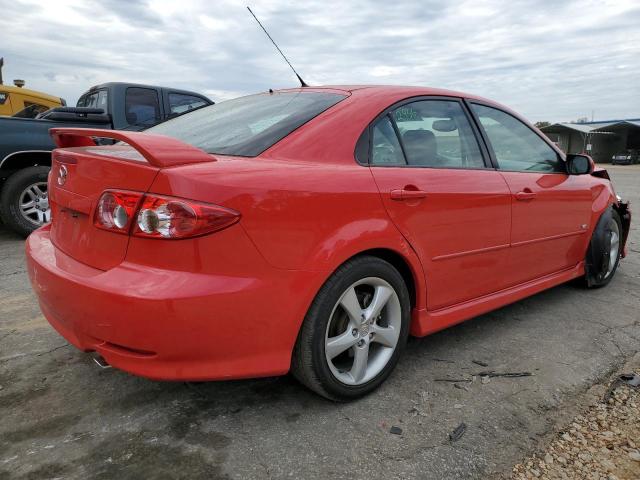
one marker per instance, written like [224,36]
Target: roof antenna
[302,84]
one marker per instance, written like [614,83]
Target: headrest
[420,147]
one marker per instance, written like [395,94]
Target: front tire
[24,203]
[355,330]
[604,251]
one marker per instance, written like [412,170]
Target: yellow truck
[25,102]
[21,102]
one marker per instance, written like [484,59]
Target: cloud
[549,60]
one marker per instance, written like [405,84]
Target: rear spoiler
[158,150]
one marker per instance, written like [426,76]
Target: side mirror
[579,164]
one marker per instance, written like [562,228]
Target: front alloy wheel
[614,247]
[355,330]
[603,254]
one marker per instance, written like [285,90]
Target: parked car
[25,143]
[626,158]
[311,230]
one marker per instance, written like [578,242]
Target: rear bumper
[168,324]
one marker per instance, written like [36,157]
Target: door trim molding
[551,237]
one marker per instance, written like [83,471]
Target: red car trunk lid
[81,173]
[86,175]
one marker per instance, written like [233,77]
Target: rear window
[247,126]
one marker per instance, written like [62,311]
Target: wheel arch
[401,264]
[625,217]
[24,159]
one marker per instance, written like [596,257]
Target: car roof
[392,90]
[391,94]
[122,85]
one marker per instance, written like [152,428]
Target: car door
[443,196]
[551,210]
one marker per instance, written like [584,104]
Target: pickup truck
[25,144]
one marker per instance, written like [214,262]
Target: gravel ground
[601,443]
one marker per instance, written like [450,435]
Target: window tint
[180,103]
[249,125]
[515,145]
[437,133]
[385,147]
[141,106]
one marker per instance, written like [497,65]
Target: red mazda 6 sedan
[311,230]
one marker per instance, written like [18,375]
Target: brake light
[116,210]
[157,216]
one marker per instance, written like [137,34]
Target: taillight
[156,216]
[167,217]
[116,211]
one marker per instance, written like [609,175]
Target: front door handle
[524,195]
[407,194]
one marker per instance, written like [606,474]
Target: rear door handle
[526,194]
[405,194]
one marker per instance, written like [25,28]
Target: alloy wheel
[363,331]
[34,204]
[614,249]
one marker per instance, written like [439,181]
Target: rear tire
[24,185]
[355,330]
[604,252]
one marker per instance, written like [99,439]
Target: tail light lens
[116,211]
[167,217]
[156,216]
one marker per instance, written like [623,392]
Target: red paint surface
[230,304]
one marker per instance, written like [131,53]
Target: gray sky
[549,59]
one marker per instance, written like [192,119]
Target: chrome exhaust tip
[100,361]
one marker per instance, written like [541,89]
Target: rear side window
[385,147]
[142,106]
[247,126]
[96,99]
[516,146]
[180,103]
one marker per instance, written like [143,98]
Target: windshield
[31,110]
[247,126]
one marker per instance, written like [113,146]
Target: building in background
[602,140]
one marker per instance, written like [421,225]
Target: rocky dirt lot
[602,442]
[62,417]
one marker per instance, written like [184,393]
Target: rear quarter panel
[300,215]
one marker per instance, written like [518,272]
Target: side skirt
[426,322]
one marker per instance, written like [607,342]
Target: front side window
[435,133]
[247,126]
[142,107]
[180,103]
[516,146]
